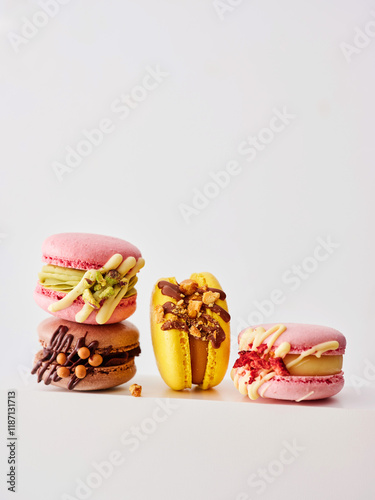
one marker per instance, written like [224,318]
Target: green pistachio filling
[97,286]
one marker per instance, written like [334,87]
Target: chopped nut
[88,297]
[188,287]
[194,307]
[180,302]
[135,390]
[195,332]
[112,277]
[159,313]
[209,298]
[105,293]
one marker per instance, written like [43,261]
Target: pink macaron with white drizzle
[88,278]
[289,361]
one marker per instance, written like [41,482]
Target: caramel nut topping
[135,390]
[190,313]
[61,358]
[195,332]
[209,298]
[194,308]
[188,287]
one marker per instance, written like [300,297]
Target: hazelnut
[63,372]
[95,360]
[195,332]
[80,371]
[159,313]
[193,308]
[209,298]
[188,287]
[83,353]
[61,358]
[135,390]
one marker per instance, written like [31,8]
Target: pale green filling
[63,279]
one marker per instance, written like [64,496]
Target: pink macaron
[88,278]
[289,361]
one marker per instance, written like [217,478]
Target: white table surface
[196,444]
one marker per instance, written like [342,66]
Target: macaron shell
[171,347]
[99,378]
[302,388]
[118,335]
[45,297]
[84,250]
[217,359]
[302,336]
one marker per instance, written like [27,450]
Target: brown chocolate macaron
[86,357]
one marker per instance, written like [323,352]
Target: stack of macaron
[87,285]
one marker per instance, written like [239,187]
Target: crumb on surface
[135,390]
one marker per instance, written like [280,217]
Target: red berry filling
[258,361]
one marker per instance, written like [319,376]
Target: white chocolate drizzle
[304,397]
[127,269]
[317,351]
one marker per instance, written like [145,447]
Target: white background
[227,72]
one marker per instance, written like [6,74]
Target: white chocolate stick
[112,263]
[72,295]
[140,263]
[105,312]
[125,266]
[84,313]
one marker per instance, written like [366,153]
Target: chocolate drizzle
[208,327]
[61,342]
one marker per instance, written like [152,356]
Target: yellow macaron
[190,331]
